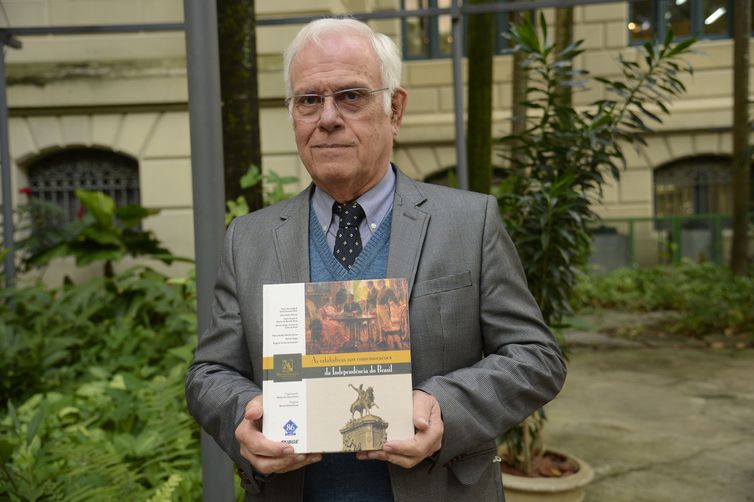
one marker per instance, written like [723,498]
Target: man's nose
[330,116]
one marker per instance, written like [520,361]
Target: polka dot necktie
[348,239]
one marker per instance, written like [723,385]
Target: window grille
[687,187]
[56,177]
[693,186]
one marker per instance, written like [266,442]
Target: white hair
[385,50]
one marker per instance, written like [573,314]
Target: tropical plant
[274,186]
[558,166]
[102,233]
[92,377]
[42,224]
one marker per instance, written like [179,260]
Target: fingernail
[288,450]
[315,458]
[387,448]
[300,458]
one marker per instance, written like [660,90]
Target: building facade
[110,111]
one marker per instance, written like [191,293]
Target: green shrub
[92,374]
[104,233]
[710,298]
[49,337]
[96,374]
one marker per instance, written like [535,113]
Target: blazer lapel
[409,226]
[292,239]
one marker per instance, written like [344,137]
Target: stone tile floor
[659,423]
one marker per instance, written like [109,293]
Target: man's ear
[397,107]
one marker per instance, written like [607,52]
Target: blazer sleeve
[219,381]
[521,368]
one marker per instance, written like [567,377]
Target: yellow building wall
[128,93]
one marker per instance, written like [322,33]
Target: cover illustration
[337,364]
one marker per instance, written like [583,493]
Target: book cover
[337,364]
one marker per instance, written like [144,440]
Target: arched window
[55,177]
[696,185]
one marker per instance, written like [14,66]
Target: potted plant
[556,170]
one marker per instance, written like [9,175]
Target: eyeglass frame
[322,97]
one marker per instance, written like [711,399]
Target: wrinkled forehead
[335,56]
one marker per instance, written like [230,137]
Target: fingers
[393,458]
[426,441]
[424,404]
[410,452]
[254,409]
[424,444]
[269,465]
[267,456]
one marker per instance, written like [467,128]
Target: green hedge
[709,297]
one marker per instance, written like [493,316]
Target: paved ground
[658,423]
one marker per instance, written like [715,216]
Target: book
[337,364]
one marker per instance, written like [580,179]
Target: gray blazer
[478,342]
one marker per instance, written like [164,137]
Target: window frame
[657,13]
[432,31]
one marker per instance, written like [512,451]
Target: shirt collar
[376,202]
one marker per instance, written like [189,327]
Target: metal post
[717,239]
[678,248]
[203,67]
[9,264]
[631,243]
[462,172]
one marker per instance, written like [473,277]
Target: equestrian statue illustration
[364,402]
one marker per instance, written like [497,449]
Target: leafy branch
[274,185]
[559,165]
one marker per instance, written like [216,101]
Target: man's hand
[264,455]
[426,441]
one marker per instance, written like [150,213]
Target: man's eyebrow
[339,88]
[304,92]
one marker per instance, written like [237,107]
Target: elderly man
[482,357]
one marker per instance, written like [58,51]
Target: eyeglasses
[348,102]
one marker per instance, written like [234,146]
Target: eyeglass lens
[348,102]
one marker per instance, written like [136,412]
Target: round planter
[565,489]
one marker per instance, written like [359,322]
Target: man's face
[344,156]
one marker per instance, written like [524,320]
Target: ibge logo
[290,428]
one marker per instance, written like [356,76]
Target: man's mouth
[333,145]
